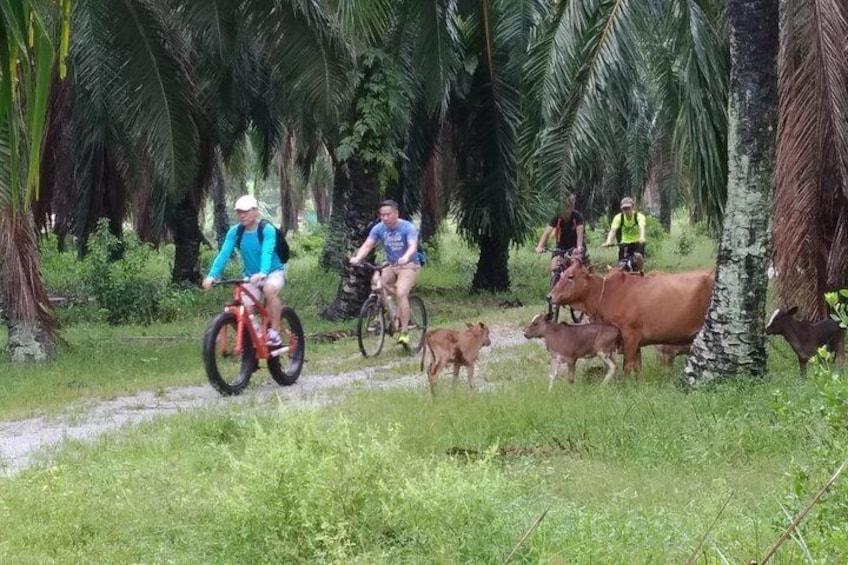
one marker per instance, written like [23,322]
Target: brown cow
[660,309]
[569,343]
[667,353]
[460,348]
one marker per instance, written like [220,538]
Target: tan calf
[569,343]
[459,348]
[667,353]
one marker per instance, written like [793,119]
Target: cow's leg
[840,351]
[456,367]
[572,370]
[469,372]
[553,373]
[436,366]
[803,364]
[608,358]
[638,362]
[631,351]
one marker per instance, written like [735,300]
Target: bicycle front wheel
[371,327]
[227,370]
[285,366]
[417,324]
[553,309]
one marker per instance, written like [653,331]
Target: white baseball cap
[246,202]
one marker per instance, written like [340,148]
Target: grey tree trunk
[24,305]
[732,341]
[288,200]
[220,218]
[361,189]
[333,256]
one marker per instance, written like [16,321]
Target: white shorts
[277,279]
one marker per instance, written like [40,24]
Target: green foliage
[121,291]
[654,231]
[381,114]
[307,244]
[826,413]
[685,244]
[838,302]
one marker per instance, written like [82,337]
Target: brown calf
[570,343]
[460,348]
[805,338]
[667,353]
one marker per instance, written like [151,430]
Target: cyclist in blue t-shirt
[400,241]
[260,263]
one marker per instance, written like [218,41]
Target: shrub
[114,274]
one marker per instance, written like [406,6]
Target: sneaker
[403,338]
[274,338]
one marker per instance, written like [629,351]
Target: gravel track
[25,442]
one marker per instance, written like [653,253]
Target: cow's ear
[792,310]
[469,325]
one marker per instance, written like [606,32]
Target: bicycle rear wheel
[371,327]
[228,371]
[417,324]
[286,366]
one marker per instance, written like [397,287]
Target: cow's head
[481,330]
[537,326]
[573,285]
[780,319]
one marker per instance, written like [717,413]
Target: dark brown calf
[805,338]
[570,343]
[460,348]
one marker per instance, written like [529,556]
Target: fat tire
[275,367]
[210,356]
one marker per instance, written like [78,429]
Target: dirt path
[22,442]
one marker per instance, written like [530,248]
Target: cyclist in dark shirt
[567,227]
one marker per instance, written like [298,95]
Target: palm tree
[24,305]
[810,227]
[185,78]
[732,341]
[615,86]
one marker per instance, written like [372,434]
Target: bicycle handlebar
[223,282]
[227,282]
[372,266]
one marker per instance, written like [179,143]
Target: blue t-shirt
[255,259]
[395,241]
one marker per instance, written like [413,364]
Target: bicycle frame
[240,310]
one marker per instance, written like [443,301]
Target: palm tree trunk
[24,305]
[220,219]
[361,191]
[185,228]
[333,257]
[321,201]
[492,272]
[288,201]
[732,341]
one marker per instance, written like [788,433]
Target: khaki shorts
[399,279]
[277,279]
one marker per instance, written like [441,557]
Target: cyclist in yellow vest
[631,225]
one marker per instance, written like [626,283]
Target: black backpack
[282,247]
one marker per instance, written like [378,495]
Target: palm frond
[581,71]
[810,202]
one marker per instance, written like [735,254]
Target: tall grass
[636,472]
